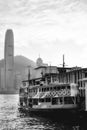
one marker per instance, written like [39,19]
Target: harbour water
[12,119]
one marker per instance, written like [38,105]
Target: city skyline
[50,28]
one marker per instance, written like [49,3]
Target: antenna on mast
[29,73]
[63,61]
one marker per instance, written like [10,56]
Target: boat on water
[52,90]
[51,99]
[48,93]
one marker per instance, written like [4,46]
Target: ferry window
[50,88]
[41,100]
[47,89]
[68,87]
[85,74]
[35,102]
[44,89]
[21,101]
[61,100]
[30,100]
[54,101]
[25,100]
[54,88]
[57,88]
[68,100]
[39,89]
[20,90]
[63,87]
[37,82]
[48,100]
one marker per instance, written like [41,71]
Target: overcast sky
[50,28]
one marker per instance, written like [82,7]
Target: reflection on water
[12,119]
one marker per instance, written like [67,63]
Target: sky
[49,28]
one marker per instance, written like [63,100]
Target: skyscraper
[9,61]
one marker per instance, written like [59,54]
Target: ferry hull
[53,113]
[63,115]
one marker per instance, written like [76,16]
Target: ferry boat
[41,96]
[54,90]
[49,98]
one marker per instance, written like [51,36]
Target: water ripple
[12,119]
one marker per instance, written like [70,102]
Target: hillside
[20,62]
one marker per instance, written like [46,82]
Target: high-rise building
[9,61]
